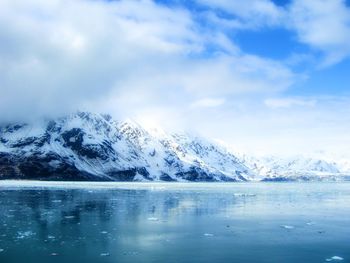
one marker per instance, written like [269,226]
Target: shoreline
[155,185]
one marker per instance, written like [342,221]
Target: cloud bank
[167,63]
[59,55]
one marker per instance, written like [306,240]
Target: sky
[263,76]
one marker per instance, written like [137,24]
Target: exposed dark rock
[167,178]
[36,167]
[143,171]
[74,139]
[124,176]
[24,142]
[196,175]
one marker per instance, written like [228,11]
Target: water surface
[174,222]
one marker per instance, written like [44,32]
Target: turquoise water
[175,222]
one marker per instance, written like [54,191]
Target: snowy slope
[87,146]
[274,168]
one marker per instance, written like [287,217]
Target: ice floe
[152,219]
[334,258]
[244,195]
[24,234]
[287,227]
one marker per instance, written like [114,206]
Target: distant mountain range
[296,168]
[86,146]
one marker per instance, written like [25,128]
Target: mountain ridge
[87,146]
[94,147]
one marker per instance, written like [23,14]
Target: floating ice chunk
[243,195]
[334,258]
[2,250]
[104,254]
[104,232]
[24,234]
[57,201]
[69,217]
[287,227]
[310,223]
[130,253]
[54,254]
[152,219]
[208,235]
[51,237]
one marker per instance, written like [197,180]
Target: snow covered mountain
[87,146]
[297,168]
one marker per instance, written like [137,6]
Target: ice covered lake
[174,222]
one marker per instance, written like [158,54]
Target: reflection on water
[235,223]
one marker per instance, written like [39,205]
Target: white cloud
[248,14]
[208,103]
[324,25]
[276,103]
[159,65]
[57,56]
[299,129]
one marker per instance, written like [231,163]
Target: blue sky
[280,43]
[264,76]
